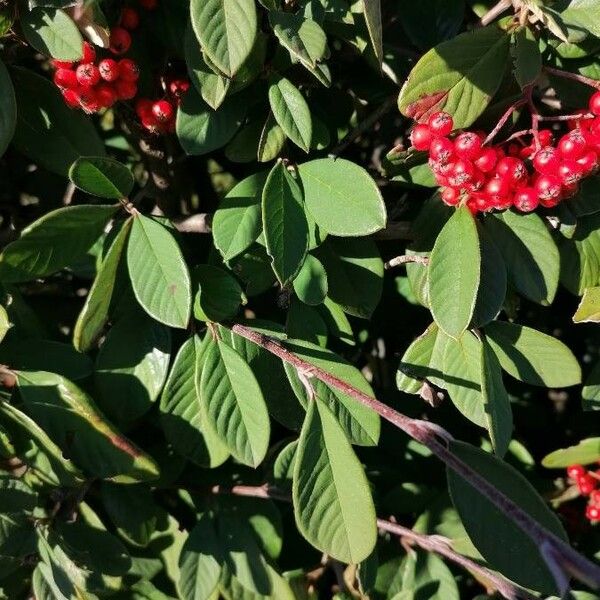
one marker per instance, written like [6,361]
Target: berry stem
[407,258]
[535,117]
[494,12]
[573,76]
[574,117]
[509,111]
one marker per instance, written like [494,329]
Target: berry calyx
[88,74]
[526,199]
[120,40]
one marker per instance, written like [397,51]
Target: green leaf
[354,274]
[454,273]
[311,282]
[158,273]
[16,496]
[304,322]
[591,390]
[101,176]
[132,363]
[500,540]
[372,12]
[291,112]
[271,142]
[200,562]
[73,421]
[459,76]
[530,254]
[48,131]
[182,410]
[211,86]
[53,33]
[53,242]
[237,222]
[586,452]
[5,323]
[201,129]
[360,423]
[219,295]
[580,15]
[527,60]
[425,575]
[304,39]
[532,356]
[226,30]
[588,310]
[95,312]
[342,197]
[332,502]
[8,109]
[414,365]
[284,223]
[235,407]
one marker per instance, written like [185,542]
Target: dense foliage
[264,263]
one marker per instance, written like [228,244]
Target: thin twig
[406,258]
[509,111]
[573,76]
[575,117]
[427,434]
[494,12]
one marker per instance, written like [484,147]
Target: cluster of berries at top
[488,177]
[588,484]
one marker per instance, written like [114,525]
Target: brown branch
[406,258]
[431,543]
[435,438]
[574,77]
[494,12]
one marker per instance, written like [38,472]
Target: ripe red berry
[88,74]
[126,90]
[440,123]
[589,162]
[595,498]
[497,187]
[88,100]
[462,173]
[546,161]
[89,54]
[62,64]
[545,137]
[467,145]
[576,471]
[526,199]
[421,137]
[163,111]
[143,107]
[148,4]
[586,484]
[128,70]
[120,40]
[150,122]
[441,169]
[549,189]
[570,172]
[109,69]
[512,168]
[441,150]
[595,103]
[65,78]
[178,87]
[486,161]
[477,181]
[572,145]
[592,513]
[106,95]
[450,196]
[130,19]
[71,98]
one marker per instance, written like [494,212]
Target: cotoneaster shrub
[299,299]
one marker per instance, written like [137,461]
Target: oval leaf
[219,295]
[101,176]
[53,33]
[291,112]
[587,452]
[311,283]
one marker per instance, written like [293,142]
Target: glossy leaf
[291,112]
[53,242]
[101,176]
[586,452]
[454,272]
[372,12]
[158,273]
[342,197]
[284,223]
[219,294]
[588,310]
[53,33]
[311,282]
[527,59]
[332,501]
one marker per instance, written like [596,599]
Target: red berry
[88,74]
[178,87]
[467,145]
[130,18]
[545,137]
[89,54]
[450,196]
[595,498]
[149,122]
[148,4]
[62,64]
[573,144]
[440,123]
[512,168]
[576,471]
[109,69]
[65,78]
[595,103]
[526,199]
[486,160]
[549,189]
[128,70]
[420,137]
[441,149]
[498,187]
[143,107]
[592,513]
[126,90]
[71,98]
[570,172]
[586,484]
[440,169]
[106,95]
[513,149]
[462,173]
[163,111]
[546,161]
[88,100]
[477,182]
[120,40]
[589,162]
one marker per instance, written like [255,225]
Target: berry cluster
[588,484]
[518,174]
[158,116]
[93,85]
